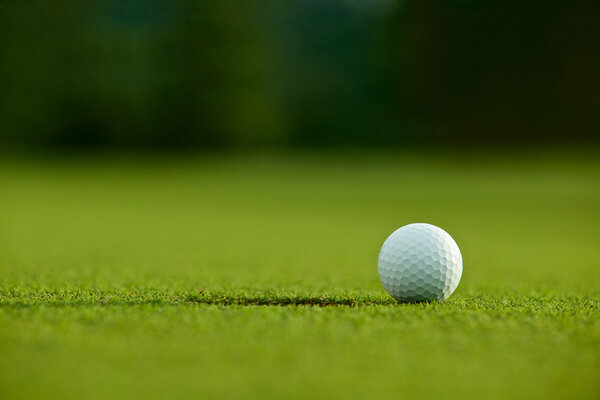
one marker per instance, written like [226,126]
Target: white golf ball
[420,262]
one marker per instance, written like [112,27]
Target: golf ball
[420,262]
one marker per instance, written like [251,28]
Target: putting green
[255,276]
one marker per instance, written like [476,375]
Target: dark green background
[231,74]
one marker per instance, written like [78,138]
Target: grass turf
[255,276]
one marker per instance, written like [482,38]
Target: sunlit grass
[255,276]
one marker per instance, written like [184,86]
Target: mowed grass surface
[255,276]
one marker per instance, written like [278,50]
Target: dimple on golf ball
[420,262]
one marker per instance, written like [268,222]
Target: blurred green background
[193,195]
[230,74]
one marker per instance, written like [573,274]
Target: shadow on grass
[75,297]
[280,300]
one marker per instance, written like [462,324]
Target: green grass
[255,276]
